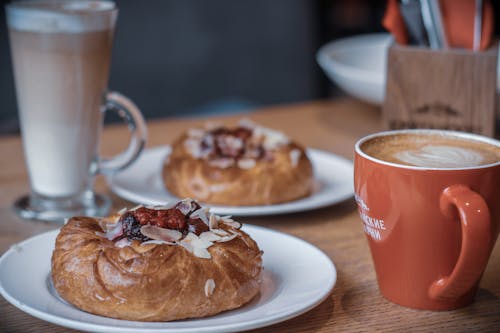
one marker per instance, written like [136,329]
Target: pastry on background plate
[156,263]
[245,165]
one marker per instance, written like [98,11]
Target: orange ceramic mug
[430,205]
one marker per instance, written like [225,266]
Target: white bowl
[358,65]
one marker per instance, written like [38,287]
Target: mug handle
[130,114]
[476,238]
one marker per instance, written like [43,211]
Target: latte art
[441,157]
[432,149]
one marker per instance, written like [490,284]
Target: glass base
[34,207]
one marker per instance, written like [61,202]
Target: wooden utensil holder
[448,89]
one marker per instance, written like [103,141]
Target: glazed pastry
[156,264]
[241,166]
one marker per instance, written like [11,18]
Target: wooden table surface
[355,304]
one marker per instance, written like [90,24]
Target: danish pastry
[241,166]
[156,263]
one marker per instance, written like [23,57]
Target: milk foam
[441,157]
[60,16]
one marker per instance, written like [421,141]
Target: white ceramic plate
[358,65]
[297,277]
[142,183]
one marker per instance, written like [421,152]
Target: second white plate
[142,183]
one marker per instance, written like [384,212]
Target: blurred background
[189,58]
[199,58]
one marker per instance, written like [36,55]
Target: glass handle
[132,116]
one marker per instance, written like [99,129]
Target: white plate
[358,65]
[142,183]
[297,277]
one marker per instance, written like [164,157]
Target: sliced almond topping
[103,224]
[108,223]
[157,242]
[213,222]
[228,238]
[200,242]
[123,242]
[201,253]
[272,139]
[100,234]
[187,246]
[246,163]
[209,236]
[232,142]
[154,232]
[222,163]
[185,206]
[294,157]
[122,211]
[209,287]
[234,232]
[113,233]
[202,214]
[193,147]
[219,232]
[232,223]
[196,245]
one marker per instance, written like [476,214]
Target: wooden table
[355,304]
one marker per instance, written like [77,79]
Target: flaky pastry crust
[151,282]
[270,181]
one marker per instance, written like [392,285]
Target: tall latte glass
[61,53]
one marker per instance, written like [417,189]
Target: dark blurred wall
[177,57]
[194,57]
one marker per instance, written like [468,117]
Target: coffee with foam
[432,150]
[60,16]
[61,57]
